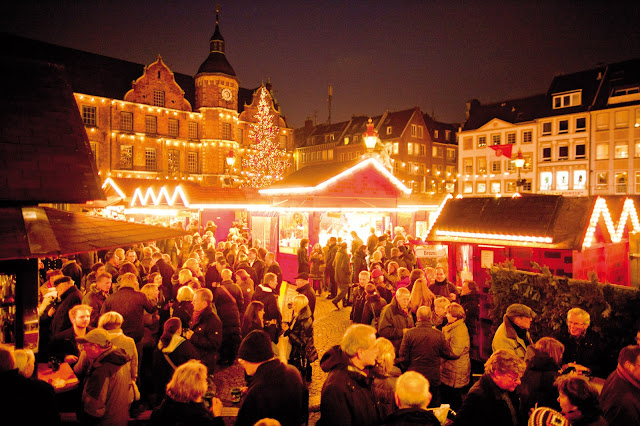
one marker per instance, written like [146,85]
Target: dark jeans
[344,292]
[451,396]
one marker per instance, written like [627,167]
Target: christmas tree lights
[268,163]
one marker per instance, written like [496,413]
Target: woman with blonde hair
[420,296]
[385,374]
[185,399]
[376,259]
[300,333]
[391,274]
[455,373]
[25,362]
[439,312]
[183,306]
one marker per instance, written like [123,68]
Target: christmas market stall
[332,200]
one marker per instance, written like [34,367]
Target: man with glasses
[581,349]
[493,400]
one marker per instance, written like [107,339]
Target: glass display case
[293,227]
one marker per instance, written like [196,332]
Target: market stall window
[293,227]
[340,225]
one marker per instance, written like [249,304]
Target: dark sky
[378,55]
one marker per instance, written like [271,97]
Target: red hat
[376,273]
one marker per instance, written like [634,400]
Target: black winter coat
[486,402]
[359,264]
[68,300]
[372,305]
[179,351]
[131,304]
[537,382]
[311,296]
[207,337]
[172,413]
[393,320]
[358,303]
[227,309]
[303,260]
[423,349]
[347,395]
[410,417]
[275,391]
[272,314]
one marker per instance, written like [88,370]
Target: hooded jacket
[347,395]
[507,338]
[108,389]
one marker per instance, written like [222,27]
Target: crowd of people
[145,328]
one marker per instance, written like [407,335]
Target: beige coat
[456,372]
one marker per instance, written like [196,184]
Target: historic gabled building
[580,138]
[406,147]
[147,122]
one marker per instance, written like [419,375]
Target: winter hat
[256,347]
[544,416]
[98,336]
[519,310]
[376,273]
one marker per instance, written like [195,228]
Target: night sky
[378,55]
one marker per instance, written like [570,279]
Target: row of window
[579,153]
[620,150]
[151,160]
[563,126]
[324,155]
[496,139]
[493,187]
[496,166]
[621,119]
[562,181]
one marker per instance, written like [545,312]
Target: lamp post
[519,163]
[370,137]
[231,160]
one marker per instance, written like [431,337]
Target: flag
[502,150]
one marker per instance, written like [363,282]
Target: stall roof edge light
[629,212]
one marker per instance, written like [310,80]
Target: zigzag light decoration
[616,232]
[157,199]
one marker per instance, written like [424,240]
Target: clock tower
[216,83]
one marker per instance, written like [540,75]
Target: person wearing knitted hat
[276,390]
[544,416]
[513,334]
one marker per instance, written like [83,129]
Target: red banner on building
[502,150]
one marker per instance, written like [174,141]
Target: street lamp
[370,137]
[231,159]
[519,163]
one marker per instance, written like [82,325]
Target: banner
[502,150]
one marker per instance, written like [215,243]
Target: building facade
[580,138]
[164,126]
[421,156]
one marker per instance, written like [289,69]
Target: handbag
[311,352]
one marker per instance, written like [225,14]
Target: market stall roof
[45,155]
[164,193]
[334,177]
[546,221]
[30,232]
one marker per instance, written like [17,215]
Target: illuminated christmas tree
[268,163]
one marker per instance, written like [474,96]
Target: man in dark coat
[63,345]
[57,315]
[620,396]
[205,332]
[423,349]
[243,263]
[359,261]
[493,398]
[167,271]
[372,241]
[343,275]
[257,264]
[227,309]
[359,295]
[112,264]
[581,348]
[443,287]
[273,267]
[395,318]
[330,271]
[303,286]
[412,397]
[275,391]
[347,396]
[96,294]
[272,315]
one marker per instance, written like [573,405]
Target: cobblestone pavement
[328,327]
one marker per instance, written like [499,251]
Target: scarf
[622,372]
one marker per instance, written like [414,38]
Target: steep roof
[620,75]
[558,222]
[512,111]
[45,155]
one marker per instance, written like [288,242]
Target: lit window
[435,134]
[150,161]
[174,127]
[527,136]
[562,182]
[637,149]
[126,121]
[510,186]
[468,166]
[496,187]
[528,162]
[173,162]
[565,100]
[158,98]
[389,130]
[511,138]
[410,148]
[226,131]
[602,180]
[579,179]
[482,165]
[546,128]
[546,181]
[482,141]
[637,182]
[395,148]
[581,124]
[467,188]
[621,150]
[240,135]
[331,155]
[192,162]
[346,140]
[495,140]
[193,130]
[602,151]
[637,123]
[150,124]
[89,115]
[126,157]
[451,154]
[621,182]
[481,187]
